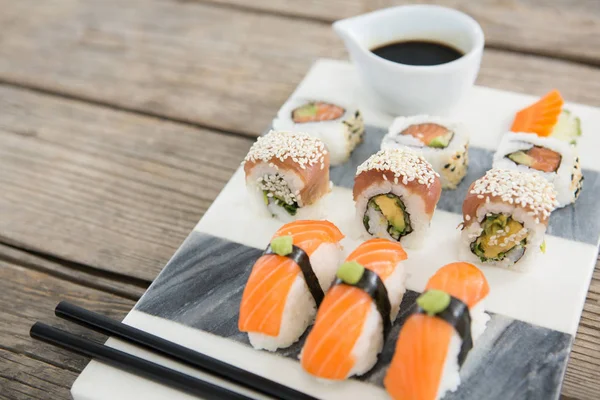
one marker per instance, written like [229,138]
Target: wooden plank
[178,60]
[558,28]
[31,369]
[582,379]
[119,284]
[103,188]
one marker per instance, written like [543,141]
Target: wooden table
[120,122]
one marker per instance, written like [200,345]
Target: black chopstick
[133,364]
[107,326]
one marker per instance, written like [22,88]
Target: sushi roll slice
[340,127]
[505,215]
[551,158]
[287,283]
[287,175]
[442,142]
[396,192]
[436,339]
[547,118]
[357,312]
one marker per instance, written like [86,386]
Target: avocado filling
[387,211]
[277,192]
[502,237]
[442,141]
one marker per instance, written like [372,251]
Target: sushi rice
[300,308]
[568,178]
[451,161]
[340,135]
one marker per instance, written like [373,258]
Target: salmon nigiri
[357,312]
[540,117]
[287,283]
[435,340]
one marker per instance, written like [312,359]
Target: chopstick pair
[151,370]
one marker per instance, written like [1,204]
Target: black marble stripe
[580,222]
[202,286]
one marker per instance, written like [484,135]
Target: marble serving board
[534,317]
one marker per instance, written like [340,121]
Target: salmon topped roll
[443,143]
[505,215]
[287,175]
[288,282]
[548,118]
[396,192]
[357,312]
[435,340]
[340,127]
[553,159]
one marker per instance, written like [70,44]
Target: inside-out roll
[396,192]
[287,175]
[556,160]
[339,126]
[444,144]
[505,215]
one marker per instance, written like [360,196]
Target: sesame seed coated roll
[287,174]
[505,214]
[396,192]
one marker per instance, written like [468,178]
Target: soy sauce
[418,52]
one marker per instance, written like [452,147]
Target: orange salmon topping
[272,277]
[540,117]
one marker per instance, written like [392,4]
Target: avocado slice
[567,128]
[520,157]
[492,224]
[307,110]
[442,141]
[391,211]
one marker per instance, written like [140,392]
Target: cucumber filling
[502,237]
[387,212]
[277,192]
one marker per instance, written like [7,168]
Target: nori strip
[372,284]
[300,257]
[456,314]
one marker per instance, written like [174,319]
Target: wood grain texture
[103,188]
[582,379]
[218,67]
[121,284]
[557,28]
[34,370]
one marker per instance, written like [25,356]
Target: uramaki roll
[396,192]
[287,174]
[505,215]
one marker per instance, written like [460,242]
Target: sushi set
[354,255]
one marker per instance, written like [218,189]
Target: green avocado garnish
[543,247]
[282,245]
[433,301]
[350,272]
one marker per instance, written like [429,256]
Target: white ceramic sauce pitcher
[402,89]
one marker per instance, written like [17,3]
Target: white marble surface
[552,296]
